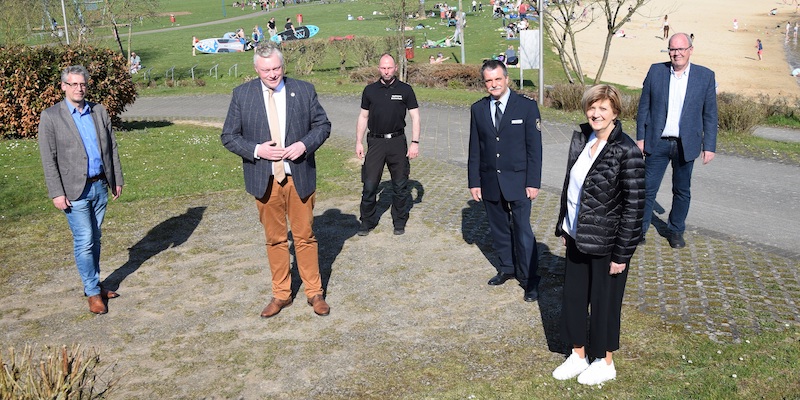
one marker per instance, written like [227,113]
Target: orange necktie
[275,130]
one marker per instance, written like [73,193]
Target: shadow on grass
[170,233]
[475,230]
[141,125]
[332,230]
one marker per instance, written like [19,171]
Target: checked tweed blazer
[247,125]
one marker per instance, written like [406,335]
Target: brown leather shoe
[96,304]
[319,304]
[274,307]
[108,294]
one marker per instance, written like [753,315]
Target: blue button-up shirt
[85,123]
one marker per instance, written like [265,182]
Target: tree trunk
[116,35]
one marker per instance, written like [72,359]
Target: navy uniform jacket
[507,161]
[698,123]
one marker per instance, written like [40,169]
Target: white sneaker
[571,368]
[598,373]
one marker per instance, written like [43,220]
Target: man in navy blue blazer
[275,124]
[505,172]
[676,123]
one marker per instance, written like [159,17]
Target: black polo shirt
[387,105]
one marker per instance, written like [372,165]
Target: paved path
[733,197]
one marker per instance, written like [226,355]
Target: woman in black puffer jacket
[601,223]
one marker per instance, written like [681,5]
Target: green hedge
[30,77]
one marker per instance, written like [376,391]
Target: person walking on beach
[666,27]
[759,48]
[676,123]
[276,124]
[735,25]
[81,163]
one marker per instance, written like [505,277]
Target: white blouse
[577,176]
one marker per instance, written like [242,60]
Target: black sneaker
[399,231]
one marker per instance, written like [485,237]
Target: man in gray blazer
[676,123]
[80,161]
[275,124]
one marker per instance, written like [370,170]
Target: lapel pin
[291,94]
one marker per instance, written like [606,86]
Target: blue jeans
[85,217]
[668,152]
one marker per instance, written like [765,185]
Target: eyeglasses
[679,50]
[76,85]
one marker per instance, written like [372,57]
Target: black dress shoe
[676,240]
[399,231]
[531,296]
[500,279]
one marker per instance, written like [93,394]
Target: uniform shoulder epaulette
[527,97]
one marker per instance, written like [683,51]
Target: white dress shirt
[677,93]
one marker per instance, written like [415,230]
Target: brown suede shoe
[319,304]
[108,294]
[96,304]
[274,307]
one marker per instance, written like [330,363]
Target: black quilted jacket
[612,202]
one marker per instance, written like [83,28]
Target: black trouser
[587,282]
[392,153]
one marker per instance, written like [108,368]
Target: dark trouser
[668,152]
[587,281]
[513,240]
[392,153]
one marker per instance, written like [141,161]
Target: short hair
[385,55]
[266,49]
[602,92]
[75,70]
[688,38]
[493,64]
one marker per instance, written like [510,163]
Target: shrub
[738,113]
[780,107]
[56,374]
[305,54]
[443,76]
[367,50]
[565,97]
[29,83]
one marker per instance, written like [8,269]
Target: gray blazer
[699,119]
[64,158]
[246,125]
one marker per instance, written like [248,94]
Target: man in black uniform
[383,111]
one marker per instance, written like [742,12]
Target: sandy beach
[732,55]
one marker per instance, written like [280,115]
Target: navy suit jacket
[505,161]
[64,157]
[246,125]
[698,123]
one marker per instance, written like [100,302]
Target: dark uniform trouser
[392,153]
